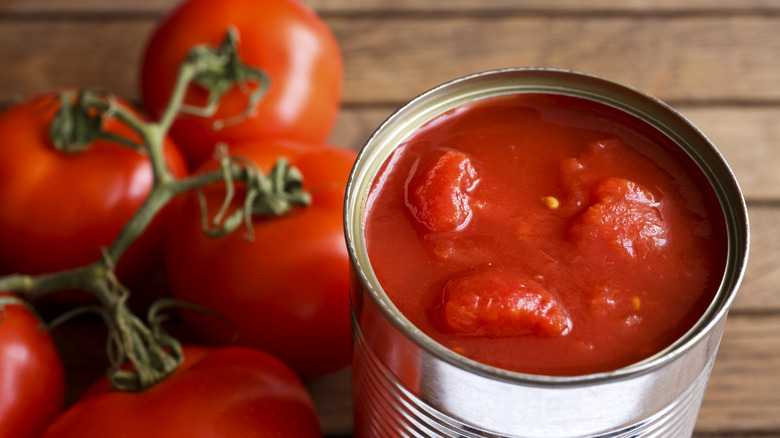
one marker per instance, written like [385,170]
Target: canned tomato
[538,253]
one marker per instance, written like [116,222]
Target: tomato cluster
[278,282]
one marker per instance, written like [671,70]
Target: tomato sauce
[545,234]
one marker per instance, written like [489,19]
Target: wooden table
[718,62]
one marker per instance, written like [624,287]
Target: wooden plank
[571,6]
[48,54]
[355,124]
[407,6]
[694,59]
[769,434]
[332,396]
[742,395]
[744,390]
[760,288]
[749,139]
[391,60]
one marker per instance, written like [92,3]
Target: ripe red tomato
[285,291]
[230,392]
[192,354]
[284,38]
[59,209]
[32,380]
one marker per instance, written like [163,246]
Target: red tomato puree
[545,234]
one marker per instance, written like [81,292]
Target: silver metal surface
[407,385]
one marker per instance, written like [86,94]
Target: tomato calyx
[217,70]
[78,123]
[274,194]
[73,129]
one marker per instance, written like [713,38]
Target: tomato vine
[154,354]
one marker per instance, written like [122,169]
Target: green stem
[153,354]
[166,186]
[155,201]
[33,287]
[187,72]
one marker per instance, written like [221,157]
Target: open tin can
[408,385]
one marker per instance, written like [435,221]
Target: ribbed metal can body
[407,385]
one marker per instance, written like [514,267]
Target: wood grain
[413,6]
[58,53]
[674,59]
[749,139]
[391,60]
[760,291]
[744,390]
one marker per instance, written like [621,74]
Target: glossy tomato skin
[59,209]
[286,291]
[284,38]
[230,392]
[192,354]
[32,380]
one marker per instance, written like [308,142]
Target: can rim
[724,183]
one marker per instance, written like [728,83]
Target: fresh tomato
[283,38]
[32,380]
[59,209]
[230,392]
[192,354]
[285,291]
